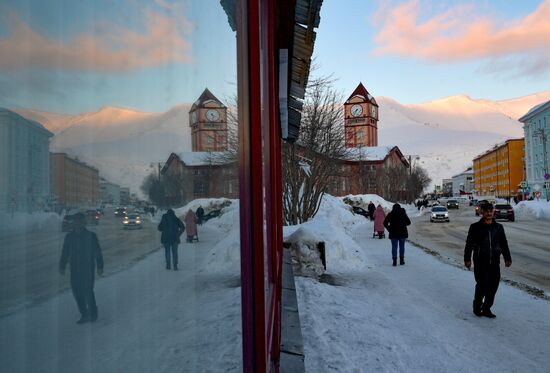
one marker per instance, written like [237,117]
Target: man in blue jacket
[487,241]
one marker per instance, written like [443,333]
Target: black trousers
[85,300]
[487,278]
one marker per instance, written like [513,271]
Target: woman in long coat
[379,216]
[191,224]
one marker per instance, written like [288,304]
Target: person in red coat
[191,224]
[379,216]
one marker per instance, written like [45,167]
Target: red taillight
[511,210]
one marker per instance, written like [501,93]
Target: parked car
[120,211]
[92,216]
[131,221]
[360,211]
[452,204]
[504,211]
[439,213]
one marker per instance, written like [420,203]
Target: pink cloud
[110,48]
[460,34]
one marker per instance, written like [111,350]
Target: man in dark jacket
[200,215]
[487,240]
[82,251]
[171,228]
[396,223]
[371,209]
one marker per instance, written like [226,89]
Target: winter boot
[394,261]
[488,313]
[175,267]
[477,309]
[401,260]
[167,265]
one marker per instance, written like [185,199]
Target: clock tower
[361,119]
[208,122]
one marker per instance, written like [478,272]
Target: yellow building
[499,171]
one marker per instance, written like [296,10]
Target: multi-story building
[499,171]
[109,192]
[361,119]
[536,127]
[447,187]
[208,122]
[124,196]
[463,183]
[74,183]
[24,163]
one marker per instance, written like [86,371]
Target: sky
[150,55]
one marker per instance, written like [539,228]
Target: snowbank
[533,210]
[332,225]
[24,222]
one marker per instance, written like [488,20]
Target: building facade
[208,122]
[199,175]
[499,171]
[463,183]
[361,119]
[363,171]
[24,164]
[109,192]
[74,183]
[536,128]
[447,187]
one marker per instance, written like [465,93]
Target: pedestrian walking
[396,223]
[200,215]
[171,228]
[191,223]
[82,251]
[379,216]
[487,241]
[371,208]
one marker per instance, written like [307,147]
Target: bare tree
[417,182]
[309,164]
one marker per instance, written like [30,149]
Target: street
[29,261]
[529,241]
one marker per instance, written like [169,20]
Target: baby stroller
[375,233]
[194,238]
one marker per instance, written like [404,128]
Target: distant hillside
[446,134]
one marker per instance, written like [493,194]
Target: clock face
[212,115]
[194,117]
[356,110]
[373,111]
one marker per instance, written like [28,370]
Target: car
[131,221]
[439,213]
[120,211]
[504,211]
[360,211]
[452,204]
[92,216]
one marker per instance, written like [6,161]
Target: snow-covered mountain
[445,134]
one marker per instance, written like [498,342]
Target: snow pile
[24,222]
[225,256]
[208,204]
[332,225]
[532,209]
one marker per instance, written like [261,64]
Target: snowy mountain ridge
[446,134]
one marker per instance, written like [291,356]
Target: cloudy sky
[75,56]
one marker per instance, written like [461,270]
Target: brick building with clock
[209,170]
[362,172]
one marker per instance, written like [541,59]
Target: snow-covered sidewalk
[150,319]
[415,318]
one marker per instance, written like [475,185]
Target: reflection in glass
[119,211]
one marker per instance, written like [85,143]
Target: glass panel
[118,129]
